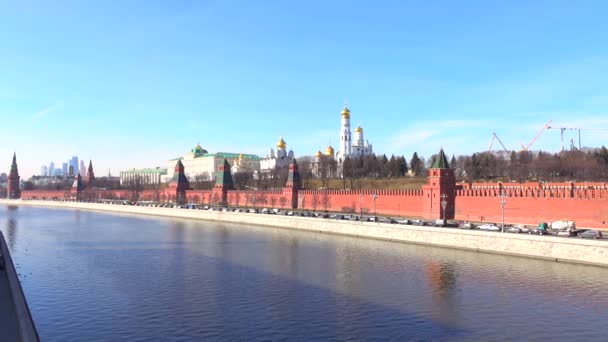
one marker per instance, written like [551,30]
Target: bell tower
[345,137]
[440,187]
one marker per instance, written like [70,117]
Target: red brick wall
[269,199]
[199,196]
[585,203]
[45,194]
[388,202]
[589,208]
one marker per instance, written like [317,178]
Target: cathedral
[280,160]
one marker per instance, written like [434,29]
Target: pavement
[9,325]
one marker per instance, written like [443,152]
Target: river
[92,276]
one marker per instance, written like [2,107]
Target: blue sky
[135,84]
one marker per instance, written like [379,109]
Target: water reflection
[441,277]
[107,277]
[11,226]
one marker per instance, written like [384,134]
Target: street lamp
[503,201]
[374,196]
[361,204]
[444,204]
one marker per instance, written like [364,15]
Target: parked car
[515,230]
[591,234]
[439,223]
[467,225]
[568,232]
[489,227]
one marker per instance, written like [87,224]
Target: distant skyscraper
[44,171]
[74,163]
[64,169]
[82,170]
[51,169]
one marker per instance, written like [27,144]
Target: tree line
[576,165]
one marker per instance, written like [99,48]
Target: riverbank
[553,248]
[16,323]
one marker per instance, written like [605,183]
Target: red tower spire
[90,175]
[12,185]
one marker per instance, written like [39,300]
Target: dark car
[591,234]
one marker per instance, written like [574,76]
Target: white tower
[345,137]
[359,141]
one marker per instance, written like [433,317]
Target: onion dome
[281,144]
[329,151]
[198,150]
[345,113]
[318,154]
[358,129]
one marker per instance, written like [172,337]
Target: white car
[490,227]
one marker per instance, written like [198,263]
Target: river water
[91,276]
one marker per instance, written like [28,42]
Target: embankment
[559,249]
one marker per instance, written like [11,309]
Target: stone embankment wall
[25,324]
[545,247]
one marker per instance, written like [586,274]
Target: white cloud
[46,111]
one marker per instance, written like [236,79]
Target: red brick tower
[290,191]
[12,185]
[223,183]
[179,183]
[90,175]
[77,188]
[441,185]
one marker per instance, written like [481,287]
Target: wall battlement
[530,203]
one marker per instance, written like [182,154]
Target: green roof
[441,162]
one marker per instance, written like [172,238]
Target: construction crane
[495,137]
[546,126]
[562,129]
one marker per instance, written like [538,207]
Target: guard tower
[440,187]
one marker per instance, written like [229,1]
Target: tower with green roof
[440,187]
[179,183]
[223,183]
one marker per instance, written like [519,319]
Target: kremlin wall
[527,203]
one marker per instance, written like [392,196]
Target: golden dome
[329,151]
[319,154]
[358,129]
[281,143]
[345,113]
[241,156]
